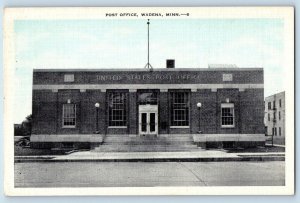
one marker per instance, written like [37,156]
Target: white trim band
[148,86]
[67,138]
[229,137]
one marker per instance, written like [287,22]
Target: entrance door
[148,120]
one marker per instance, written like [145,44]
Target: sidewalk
[275,145]
[205,156]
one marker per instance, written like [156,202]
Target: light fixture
[199,104]
[199,107]
[97,105]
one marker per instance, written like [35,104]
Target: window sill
[179,126]
[69,127]
[230,126]
[113,127]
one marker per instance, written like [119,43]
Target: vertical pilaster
[101,99]
[194,112]
[163,112]
[133,114]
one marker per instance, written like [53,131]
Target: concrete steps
[124,143]
[128,139]
[145,148]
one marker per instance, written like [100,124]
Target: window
[274,131]
[274,116]
[274,104]
[69,115]
[69,78]
[227,115]
[117,109]
[280,103]
[269,105]
[279,131]
[268,117]
[266,130]
[279,115]
[180,109]
[147,97]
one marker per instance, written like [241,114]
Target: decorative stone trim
[149,86]
[228,137]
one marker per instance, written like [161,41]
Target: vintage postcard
[149,101]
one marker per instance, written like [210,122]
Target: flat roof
[146,70]
[273,95]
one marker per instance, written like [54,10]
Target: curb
[203,159]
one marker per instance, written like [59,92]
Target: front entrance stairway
[124,143]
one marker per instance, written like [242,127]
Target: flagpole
[148,42]
[148,65]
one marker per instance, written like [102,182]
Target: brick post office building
[213,106]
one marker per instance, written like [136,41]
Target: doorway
[148,120]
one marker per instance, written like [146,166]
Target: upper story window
[269,117]
[280,103]
[117,109]
[69,115]
[227,115]
[69,78]
[227,77]
[274,104]
[269,105]
[179,108]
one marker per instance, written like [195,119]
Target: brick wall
[44,112]
[133,112]
[252,111]
[248,110]
[208,111]
[88,112]
[163,113]
[157,76]
[248,104]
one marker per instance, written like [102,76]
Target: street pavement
[119,174]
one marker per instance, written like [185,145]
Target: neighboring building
[18,130]
[275,115]
[78,108]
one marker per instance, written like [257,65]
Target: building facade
[275,115]
[212,105]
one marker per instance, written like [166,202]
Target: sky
[118,43]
